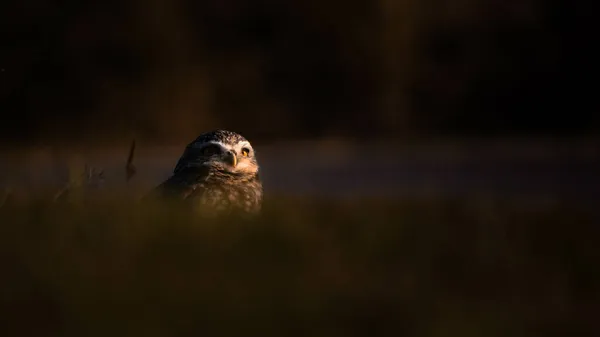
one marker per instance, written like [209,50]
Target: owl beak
[230,158]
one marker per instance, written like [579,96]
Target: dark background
[447,235]
[165,70]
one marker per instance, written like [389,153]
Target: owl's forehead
[223,137]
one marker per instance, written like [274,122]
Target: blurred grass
[435,267]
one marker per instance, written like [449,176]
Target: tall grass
[477,267]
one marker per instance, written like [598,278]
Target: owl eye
[211,150]
[245,152]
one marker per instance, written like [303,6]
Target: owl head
[220,150]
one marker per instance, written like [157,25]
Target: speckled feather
[223,136]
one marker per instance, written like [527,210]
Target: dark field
[306,267]
[482,262]
[430,168]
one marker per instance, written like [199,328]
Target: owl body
[217,172]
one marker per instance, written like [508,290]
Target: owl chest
[222,198]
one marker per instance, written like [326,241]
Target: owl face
[221,150]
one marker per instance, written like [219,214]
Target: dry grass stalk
[90,178]
[130,169]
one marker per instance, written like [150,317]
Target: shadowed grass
[479,267]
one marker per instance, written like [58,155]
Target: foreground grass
[305,268]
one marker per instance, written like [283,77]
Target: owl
[218,172]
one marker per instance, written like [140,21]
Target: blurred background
[451,96]
[165,70]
